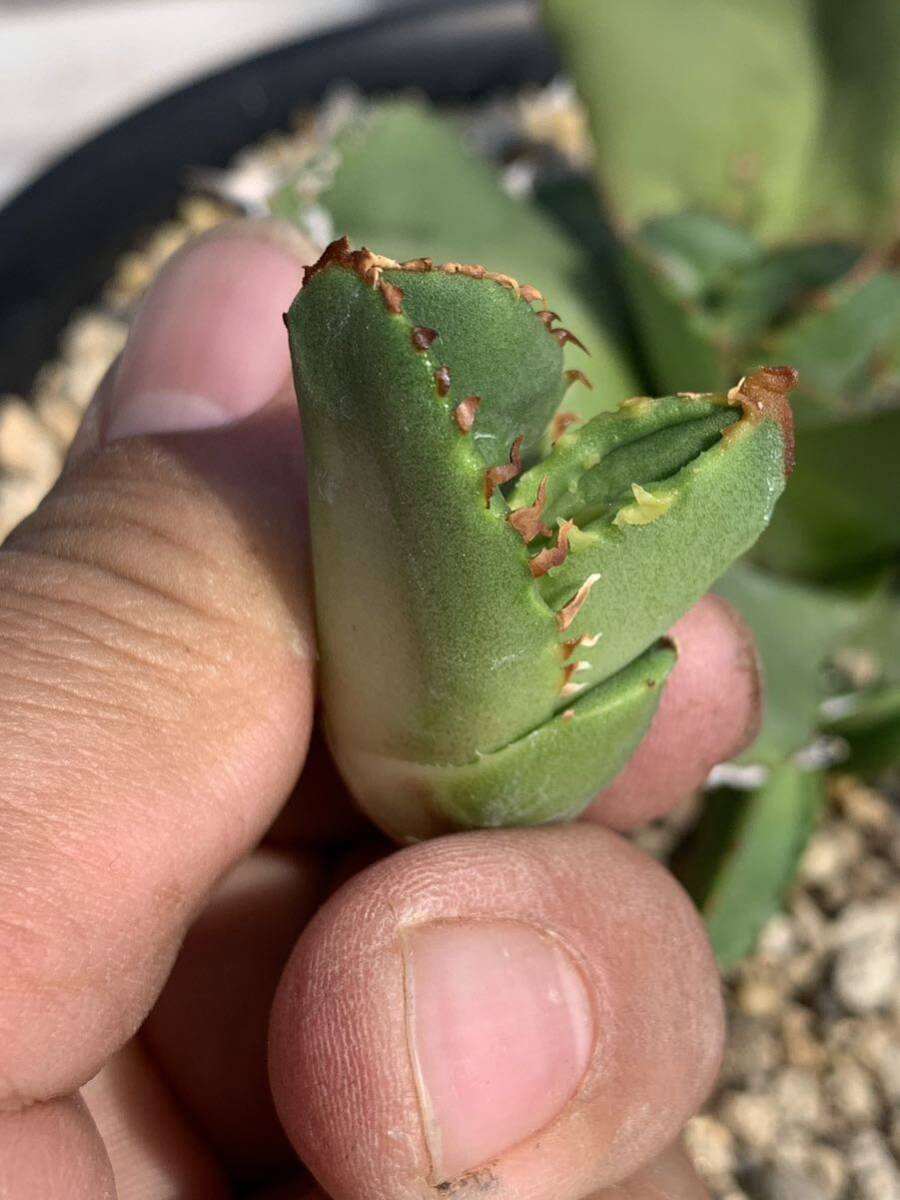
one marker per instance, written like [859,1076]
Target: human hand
[530,1012]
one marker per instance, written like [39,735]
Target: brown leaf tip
[365,262]
[442,379]
[422,337]
[570,611]
[561,423]
[569,686]
[494,477]
[417,265]
[564,336]
[764,396]
[527,521]
[588,640]
[576,376]
[547,316]
[392,296]
[529,294]
[553,556]
[464,413]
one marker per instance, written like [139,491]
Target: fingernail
[501,1031]
[208,345]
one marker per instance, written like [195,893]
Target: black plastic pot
[60,237]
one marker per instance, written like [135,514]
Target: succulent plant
[748,156]
[402,179]
[757,195]
[494,578]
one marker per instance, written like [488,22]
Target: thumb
[156,660]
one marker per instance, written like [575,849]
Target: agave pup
[494,581]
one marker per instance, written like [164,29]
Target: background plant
[745,209]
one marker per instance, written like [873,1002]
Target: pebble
[785,1183]
[759,995]
[863,806]
[802,1048]
[26,447]
[830,854]
[852,1092]
[878,1048]
[751,1117]
[873,1167]
[711,1147]
[752,1051]
[798,1098]
[867,964]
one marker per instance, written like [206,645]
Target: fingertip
[478,1008]
[711,709]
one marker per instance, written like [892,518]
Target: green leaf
[463,678]
[871,729]
[795,627]
[840,511]
[406,183]
[703,105]
[853,188]
[740,860]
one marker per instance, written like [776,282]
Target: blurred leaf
[847,351]
[871,729]
[869,719]
[739,862]
[853,189]
[795,627]
[407,186]
[841,509]
[704,105]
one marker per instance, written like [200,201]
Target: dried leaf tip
[570,611]
[464,413]
[422,337]
[442,379]
[553,556]
[561,423]
[564,336]
[527,521]
[569,686]
[764,396]
[367,265]
[392,296]
[529,294]
[575,376]
[494,477]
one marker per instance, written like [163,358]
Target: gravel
[808,1104]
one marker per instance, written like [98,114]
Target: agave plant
[494,576]
[754,201]
[748,156]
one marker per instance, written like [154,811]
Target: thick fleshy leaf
[740,860]
[796,627]
[870,728]
[706,105]
[458,634]
[854,187]
[404,182]
[841,510]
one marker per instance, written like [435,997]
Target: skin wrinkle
[76,635]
